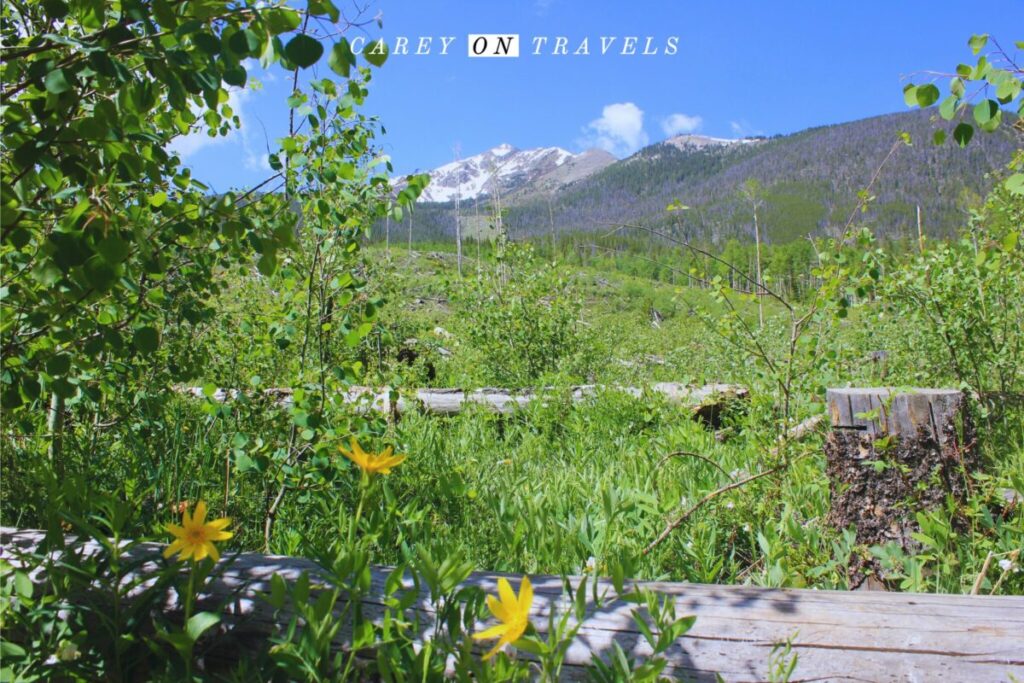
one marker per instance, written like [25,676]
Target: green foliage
[523,322]
[962,299]
[998,79]
[124,278]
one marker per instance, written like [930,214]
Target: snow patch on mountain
[505,169]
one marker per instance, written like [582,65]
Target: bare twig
[981,575]
[677,522]
[681,454]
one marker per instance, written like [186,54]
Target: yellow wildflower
[195,537]
[512,612]
[372,463]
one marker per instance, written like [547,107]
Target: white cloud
[254,161]
[743,129]
[620,130]
[677,124]
[254,154]
[186,146]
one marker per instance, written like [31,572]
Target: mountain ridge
[504,169]
[811,179]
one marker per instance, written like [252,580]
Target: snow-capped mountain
[508,170]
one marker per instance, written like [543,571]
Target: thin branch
[690,454]
[677,522]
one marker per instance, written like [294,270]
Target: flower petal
[502,642]
[492,632]
[200,514]
[212,550]
[200,551]
[219,523]
[175,530]
[173,548]
[508,596]
[525,597]
[498,609]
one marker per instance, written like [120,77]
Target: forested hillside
[810,180]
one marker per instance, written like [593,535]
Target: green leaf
[1009,242]
[1008,90]
[303,50]
[200,623]
[99,274]
[341,60]
[282,20]
[963,134]
[927,95]
[164,14]
[977,43]
[245,43]
[23,585]
[985,110]
[939,137]
[1015,184]
[988,115]
[235,76]
[324,7]
[113,249]
[377,54]
[57,82]
[267,263]
[55,9]
[157,200]
[277,591]
[947,109]
[146,339]
[910,95]
[9,650]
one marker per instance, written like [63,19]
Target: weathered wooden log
[706,402]
[890,455]
[835,635]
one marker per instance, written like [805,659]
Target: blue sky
[742,68]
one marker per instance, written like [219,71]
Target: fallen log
[705,401]
[835,635]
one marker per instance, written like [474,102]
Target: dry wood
[836,635]
[893,453]
[904,413]
[704,400]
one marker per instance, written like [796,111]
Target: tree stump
[890,455]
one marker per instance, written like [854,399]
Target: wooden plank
[836,635]
[703,400]
[903,413]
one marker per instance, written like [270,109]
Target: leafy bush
[522,323]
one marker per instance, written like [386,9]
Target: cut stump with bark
[890,455]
